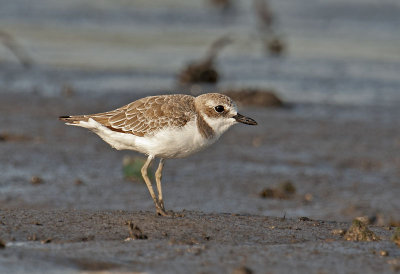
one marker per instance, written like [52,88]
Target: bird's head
[220,112]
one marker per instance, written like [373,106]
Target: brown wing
[147,115]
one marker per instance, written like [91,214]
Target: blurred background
[334,51]
[330,152]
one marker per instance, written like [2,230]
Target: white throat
[220,124]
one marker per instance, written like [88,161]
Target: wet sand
[73,240]
[341,160]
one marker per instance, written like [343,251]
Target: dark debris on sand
[204,70]
[359,231]
[96,240]
[284,190]
[135,233]
[254,97]
[396,236]
[11,137]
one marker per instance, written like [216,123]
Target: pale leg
[159,209]
[158,181]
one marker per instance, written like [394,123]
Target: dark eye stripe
[219,108]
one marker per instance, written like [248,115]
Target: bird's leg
[158,181]
[160,210]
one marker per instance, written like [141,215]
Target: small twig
[267,25]
[9,42]
[216,47]
[204,71]
[264,13]
[224,5]
[135,233]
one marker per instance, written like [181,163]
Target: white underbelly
[176,143]
[167,143]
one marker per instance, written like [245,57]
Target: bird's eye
[219,108]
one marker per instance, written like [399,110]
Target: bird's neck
[204,128]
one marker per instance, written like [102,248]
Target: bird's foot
[162,212]
[160,209]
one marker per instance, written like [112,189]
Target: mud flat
[66,207]
[82,240]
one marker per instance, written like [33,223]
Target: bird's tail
[73,120]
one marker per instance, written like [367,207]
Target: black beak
[245,120]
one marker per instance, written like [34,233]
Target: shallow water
[338,52]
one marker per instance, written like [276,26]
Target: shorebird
[164,126]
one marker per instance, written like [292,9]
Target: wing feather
[148,115]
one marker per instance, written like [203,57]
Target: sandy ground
[68,240]
[341,160]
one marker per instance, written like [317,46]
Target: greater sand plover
[165,126]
